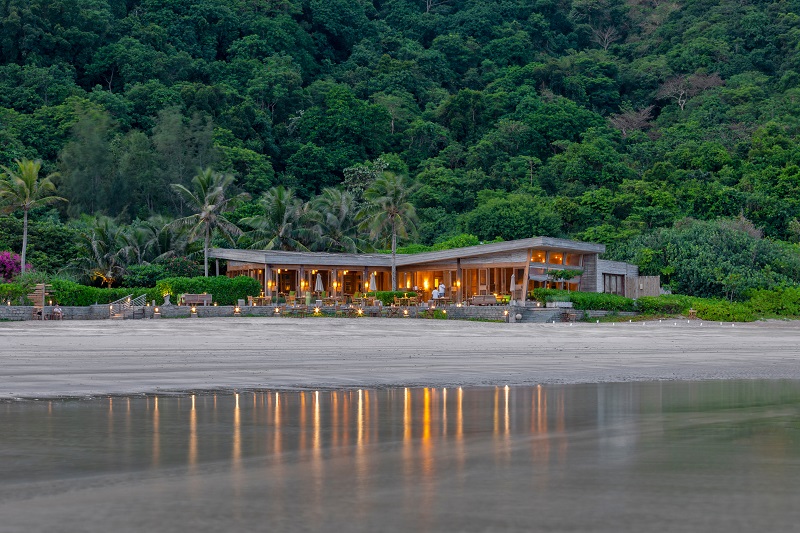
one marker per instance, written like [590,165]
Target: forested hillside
[602,120]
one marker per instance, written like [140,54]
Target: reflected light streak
[193,436]
[507,422]
[444,412]
[360,422]
[277,421]
[156,435]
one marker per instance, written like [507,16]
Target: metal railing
[127,306]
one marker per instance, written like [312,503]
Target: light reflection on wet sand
[414,458]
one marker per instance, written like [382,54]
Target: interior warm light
[426,284]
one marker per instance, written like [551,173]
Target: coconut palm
[101,251]
[388,213]
[21,188]
[334,217]
[210,202]
[282,226]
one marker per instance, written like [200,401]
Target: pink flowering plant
[10,266]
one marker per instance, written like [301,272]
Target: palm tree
[101,251]
[389,213]
[334,215]
[21,188]
[209,201]
[281,227]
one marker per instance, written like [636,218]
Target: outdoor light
[505,313]
[405,312]
[156,309]
[316,310]
[236,310]
[444,311]
[194,309]
[360,312]
[277,310]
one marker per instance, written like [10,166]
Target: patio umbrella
[373,285]
[318,287]
[513,284]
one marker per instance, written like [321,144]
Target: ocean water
[653,456]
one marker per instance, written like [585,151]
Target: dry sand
[76,358]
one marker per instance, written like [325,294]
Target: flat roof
[322,259]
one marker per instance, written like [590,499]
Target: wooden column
[302,278]
[459,282]
[526,276]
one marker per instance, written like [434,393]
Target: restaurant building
[510,268]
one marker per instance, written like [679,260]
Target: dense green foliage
[585,300]
[387,297]
[224,290]
[608,121]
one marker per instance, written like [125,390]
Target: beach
[95,358]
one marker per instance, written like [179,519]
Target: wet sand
[75,359]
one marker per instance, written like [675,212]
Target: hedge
[780,302]
[387,297]
[225,290]
[585,300]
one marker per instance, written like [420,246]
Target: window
[614,284]
[573,260]
[556,258]
[538,256]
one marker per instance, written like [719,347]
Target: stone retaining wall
[101,312]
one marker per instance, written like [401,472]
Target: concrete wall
[589,276]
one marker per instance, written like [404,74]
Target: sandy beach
[78,359]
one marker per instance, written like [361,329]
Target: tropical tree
[101,251]
[20,188]
[334,213]
[282,226]
[210,203]
[389,213]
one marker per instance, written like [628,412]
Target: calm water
[712,456]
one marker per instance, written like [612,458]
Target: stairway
[127,308]
[537,315]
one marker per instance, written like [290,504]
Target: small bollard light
[277,310]
[405,312]
[237,311]
[360,312]
[316,310]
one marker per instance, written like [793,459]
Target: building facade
[510,268]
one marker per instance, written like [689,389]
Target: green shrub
[225,290]
[668,304]
[724,311]
[585,300]
[387,297]
[67,292]
[13,292]
[144,275]
[780,302]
